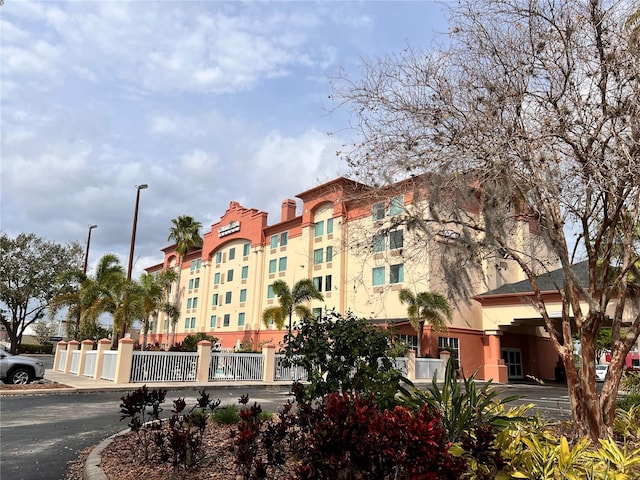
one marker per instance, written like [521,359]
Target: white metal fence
[426,367]
[109,365]
[292,373]
[164,367]
[75,362]
[90,363]
[62,361]
[236,367]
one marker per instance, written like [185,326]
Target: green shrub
[344,354]
[29,348]
[190,343]
[227,415]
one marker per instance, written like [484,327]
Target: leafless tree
[529,116]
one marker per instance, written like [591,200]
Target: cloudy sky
[204,101]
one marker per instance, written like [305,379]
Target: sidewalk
[82,384]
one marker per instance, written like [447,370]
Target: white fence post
[103,345]
[204,361]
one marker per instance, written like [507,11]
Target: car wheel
[20,376]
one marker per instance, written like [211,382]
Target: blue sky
[206,102]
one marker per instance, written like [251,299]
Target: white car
[601,372]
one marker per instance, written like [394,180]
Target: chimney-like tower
[288,210]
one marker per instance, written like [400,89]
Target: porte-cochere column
[494,367]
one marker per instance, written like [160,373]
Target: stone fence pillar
[204,360]
[411,364]
[124,361]
[60,347]
[85,346]
[104,344]
[269,367]
[73,345]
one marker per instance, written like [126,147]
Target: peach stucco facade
[359,264]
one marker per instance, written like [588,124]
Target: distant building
[359,254]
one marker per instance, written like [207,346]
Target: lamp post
[123,329]
[86,253]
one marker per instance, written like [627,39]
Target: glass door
[513,360]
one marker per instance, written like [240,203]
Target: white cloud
[198,163]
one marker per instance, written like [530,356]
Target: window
[396,273]
[232,253]
[187,322]
[379,243]
[216,278]
[395,239]
[317,256]
[270,292]
[317,312]
[284,238]
[396,205]
[241,319]
[244,274]
[377,211]
[282,264]
[219,257]
[327,283]
[330,225]
[214,300]
[166,324]
[410,341]
[226,320]
[227,297]
[273,265]
[246,249]
[329,254]
[213,323]
[243,295]
[450,343]
[318,229]
[193,322]
[196,282]
[378,276]
[199,263]
[195,302]
[274,242]
[189,302]
[317,282]
[193,266]
[191,284]
[230,275]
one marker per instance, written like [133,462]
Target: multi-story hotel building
[359,255]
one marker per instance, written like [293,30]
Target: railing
[164,367]
[75,361]
[90,363]
[426,367]
[62,361]
[109,365]
[400,363]
[292,373]
[236,367]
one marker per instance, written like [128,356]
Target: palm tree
[273,314]
[291,301]
[153,289]
[425,307]
[185,232]
[69,298]
[172,311]
[110,292]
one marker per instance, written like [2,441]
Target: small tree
[30,269]
[291,301]
[43,332]
[525,126]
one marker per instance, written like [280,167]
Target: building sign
[232,227]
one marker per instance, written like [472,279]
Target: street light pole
[123,329]
[86,253]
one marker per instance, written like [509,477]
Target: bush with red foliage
[350,437]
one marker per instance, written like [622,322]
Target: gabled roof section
[548,282]
[340,184]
